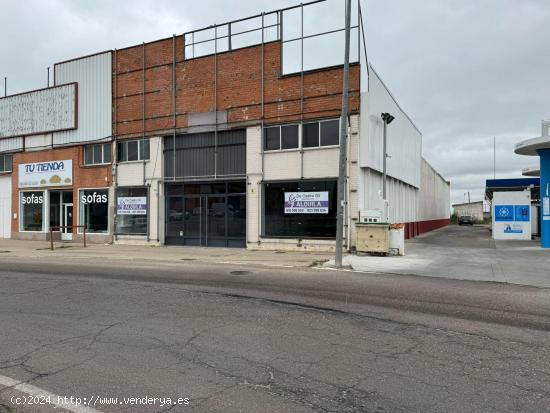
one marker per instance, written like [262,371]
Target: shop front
[209,214]
[60,194]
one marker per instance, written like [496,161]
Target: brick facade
[83,177]
[143,87]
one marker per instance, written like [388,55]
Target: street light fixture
[387,119]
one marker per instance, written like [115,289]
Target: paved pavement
[464,253]
[235,337]
[35,250]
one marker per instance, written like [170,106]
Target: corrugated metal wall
[404,140]
[197,155]
[434,196]
[11,144]
[93,75]
[402,198]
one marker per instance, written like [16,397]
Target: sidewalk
[464,253]
[41,250]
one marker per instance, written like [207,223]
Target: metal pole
[494,157]
[48,81]
[5,86]
[343,146]
[384,168]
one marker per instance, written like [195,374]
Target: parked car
[465,220]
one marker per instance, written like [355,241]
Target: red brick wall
[83,177]
[238,87]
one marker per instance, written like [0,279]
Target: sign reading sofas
[306,202]
[42,174]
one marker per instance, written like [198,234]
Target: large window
[307,135]
[97,154]
[282,137]
[5,163]
[94,210]
[32,211]
[300,209]
[323,133]
[132,211]
[133,150]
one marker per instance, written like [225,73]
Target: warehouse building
[223,136]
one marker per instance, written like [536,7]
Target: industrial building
[223,136]
[472,209]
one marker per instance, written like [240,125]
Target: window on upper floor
[5,163]
[133,150]
[308,135]
[97,154]
[282,137]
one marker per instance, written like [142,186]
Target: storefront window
[132,207]
[94,210]
[32,211]
[300,209]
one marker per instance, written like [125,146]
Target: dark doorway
[209,214]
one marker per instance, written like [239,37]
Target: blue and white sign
[42,174]
[306,202]
[521,213]
[512,215]
[131,205]
[546,208]
[504,212]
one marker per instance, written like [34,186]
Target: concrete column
[544,197]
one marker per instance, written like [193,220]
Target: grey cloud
[464,70]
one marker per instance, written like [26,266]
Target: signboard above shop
[44,174]
[41,111]
[306,202]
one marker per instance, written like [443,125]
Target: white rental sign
[131,205]
[41,111]
[41,174]
[306,202]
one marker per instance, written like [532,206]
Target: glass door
[67,233]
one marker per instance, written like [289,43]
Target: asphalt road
[257,339]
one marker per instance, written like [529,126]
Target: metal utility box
[373,238]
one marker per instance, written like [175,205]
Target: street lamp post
[387,119]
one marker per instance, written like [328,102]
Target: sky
[464,70]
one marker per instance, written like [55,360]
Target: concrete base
[276,244]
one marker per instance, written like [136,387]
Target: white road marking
[56,401]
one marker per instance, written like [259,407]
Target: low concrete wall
[292,244]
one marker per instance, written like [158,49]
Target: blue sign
[515,230]
[522,213]
[504,213]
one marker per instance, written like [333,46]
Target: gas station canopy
[516,184]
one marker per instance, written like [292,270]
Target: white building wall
[318,163]
[434,196]
[5,206]
[11,144]
[145,173]
[93,75]
[38,142]
[404,140]
[402,198]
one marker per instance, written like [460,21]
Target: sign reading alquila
[306,202]
[41,174]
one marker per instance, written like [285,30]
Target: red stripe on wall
[413,229]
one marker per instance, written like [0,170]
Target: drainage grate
[240,273]
[187,259]
[4,252]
